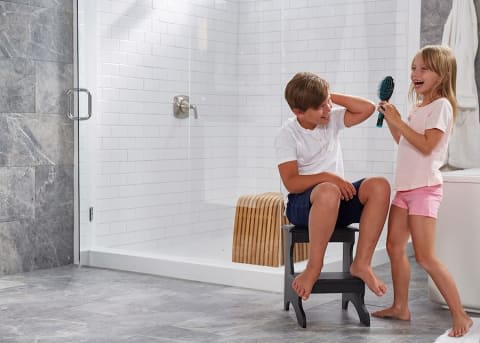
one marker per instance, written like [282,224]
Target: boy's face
[313,117]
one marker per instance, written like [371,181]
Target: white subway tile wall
[157,176]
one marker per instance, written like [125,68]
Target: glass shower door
[137,188]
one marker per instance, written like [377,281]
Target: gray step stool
[352,288]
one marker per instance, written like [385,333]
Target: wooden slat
[237,230]
[271,225]
[249,222]
[257,237]
[261,229]
[276,247]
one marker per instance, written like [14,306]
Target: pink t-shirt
[415,169]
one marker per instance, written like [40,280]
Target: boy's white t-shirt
[316,150]
[415,169]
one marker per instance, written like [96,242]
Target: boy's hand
[346,188]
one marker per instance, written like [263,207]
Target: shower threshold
[201,270]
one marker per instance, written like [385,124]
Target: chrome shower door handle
[71,104]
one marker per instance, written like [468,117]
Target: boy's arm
[358,109]
[295,183]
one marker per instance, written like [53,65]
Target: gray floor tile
[72,304]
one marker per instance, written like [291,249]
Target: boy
[310,163]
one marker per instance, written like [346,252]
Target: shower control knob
[182,106]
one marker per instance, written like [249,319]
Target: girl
[422,147]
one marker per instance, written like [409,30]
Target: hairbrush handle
[385,91]
[380,119]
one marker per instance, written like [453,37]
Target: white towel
[472,336]
[460,33]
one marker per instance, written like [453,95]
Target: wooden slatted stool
[257,233]
[352,288]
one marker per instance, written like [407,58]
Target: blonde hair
[441,60]
[306,90]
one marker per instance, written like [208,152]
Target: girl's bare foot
[393,313]
[460,325]
[366,274]
[303,283]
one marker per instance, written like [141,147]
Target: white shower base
[205,259]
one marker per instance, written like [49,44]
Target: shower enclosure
[185,99]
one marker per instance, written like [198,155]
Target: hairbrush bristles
[385,91]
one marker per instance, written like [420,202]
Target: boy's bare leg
[423,238]
[374,194]
[325,200]
[398,234]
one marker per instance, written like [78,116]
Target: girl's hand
[392,116]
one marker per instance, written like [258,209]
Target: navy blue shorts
[298,208]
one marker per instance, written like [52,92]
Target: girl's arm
[393,130]
[358,109]
[424,142]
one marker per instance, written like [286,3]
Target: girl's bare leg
[397,238]
[423,237]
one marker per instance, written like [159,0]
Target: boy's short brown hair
[306,90]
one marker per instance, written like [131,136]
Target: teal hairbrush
[385,91]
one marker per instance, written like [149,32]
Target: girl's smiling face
[425,81]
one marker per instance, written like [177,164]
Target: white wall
[352,44]
[158,176]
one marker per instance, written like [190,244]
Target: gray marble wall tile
[36,218]
[434,15]
[17,144]
[17,85]
[52,242]
[17,193]
[65,5]
[52,38]
[54,134]
[52,79]
[32,140]
[12,236]
[54,185]
[15,29]
[36,32]
[27,245]
[52,235]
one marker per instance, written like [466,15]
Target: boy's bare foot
[393,313]
[461,325]
[366,274]
[303,283]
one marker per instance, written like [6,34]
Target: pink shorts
[423,201]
